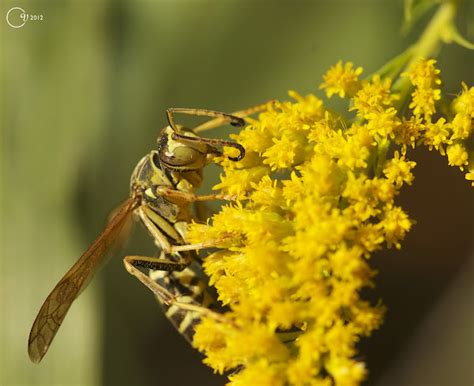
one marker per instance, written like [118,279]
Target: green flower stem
[382,151]
[394,66]
[429,43]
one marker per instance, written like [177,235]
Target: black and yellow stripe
[188,288]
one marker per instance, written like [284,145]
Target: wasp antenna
[237,146]
[171,122]
[232,119]
[237,121]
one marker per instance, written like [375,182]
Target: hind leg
[157,263]
[167,297]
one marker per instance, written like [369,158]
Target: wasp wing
[56,305]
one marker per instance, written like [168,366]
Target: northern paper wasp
[161,192]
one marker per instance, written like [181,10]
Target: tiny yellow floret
[342,79]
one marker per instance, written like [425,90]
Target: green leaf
[451,34]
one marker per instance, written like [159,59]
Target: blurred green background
[83,94]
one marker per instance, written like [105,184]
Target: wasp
[162,189]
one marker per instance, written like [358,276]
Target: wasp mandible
[162,189]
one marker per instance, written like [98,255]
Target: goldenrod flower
[341,80]
[461,126]
[398,170]
[373,97]
[424,76]
[464,103]
[317,196]
[424,100]
[408,132]
[383,124]
[457,155]
[436,135]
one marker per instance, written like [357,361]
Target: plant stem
[429,43]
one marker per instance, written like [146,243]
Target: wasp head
[186,151]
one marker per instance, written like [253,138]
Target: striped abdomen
[188,288]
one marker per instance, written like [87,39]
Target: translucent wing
[57,303]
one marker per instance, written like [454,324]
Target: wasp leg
[158,228]
[195,247]
[167,297]
[161,241]
[158,263]
[178,197]
[216,122]
[233,120]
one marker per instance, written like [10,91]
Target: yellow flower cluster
[316,198]
[341,80]
[424,76]
[448,135]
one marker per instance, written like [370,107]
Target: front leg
[160,229]
[178,197]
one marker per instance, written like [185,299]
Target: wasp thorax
[182,151]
